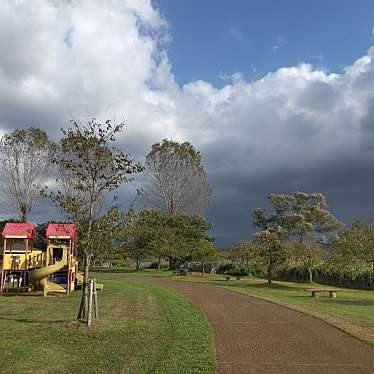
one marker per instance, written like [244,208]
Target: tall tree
[176,180]
[26,158]
[90,166]
[306,220]
[304,215]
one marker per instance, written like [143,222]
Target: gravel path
[256,336]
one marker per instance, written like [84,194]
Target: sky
[277,96]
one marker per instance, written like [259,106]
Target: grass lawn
[142,329]
[352,310]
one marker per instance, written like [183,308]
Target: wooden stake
[95,299]
[89,314]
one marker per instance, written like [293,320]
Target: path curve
[253,336]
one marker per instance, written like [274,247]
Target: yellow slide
[41,276]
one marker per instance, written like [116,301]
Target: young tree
[90,167]
[245,252]
[26,157]
[176,180]
[271,249]
[135,242]
[204,251]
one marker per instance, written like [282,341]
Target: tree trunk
[137,262]
[159,263]
[269,274]
[83,308]
[82,313]
[23,214]
[270,264]
[202,268]
[310,275]
[171,263]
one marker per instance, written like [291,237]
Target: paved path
[259,337]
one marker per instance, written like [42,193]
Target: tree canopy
[176,179]
[26,158]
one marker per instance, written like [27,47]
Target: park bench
[316,291]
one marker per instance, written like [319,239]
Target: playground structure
[26,269]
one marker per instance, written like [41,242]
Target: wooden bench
[316,291]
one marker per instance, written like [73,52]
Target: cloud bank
[298,128]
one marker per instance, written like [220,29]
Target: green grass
[352,310]
[150,272]
[142,329]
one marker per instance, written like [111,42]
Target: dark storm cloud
[298,128]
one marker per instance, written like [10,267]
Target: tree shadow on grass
[265,286]
[354,302]
[33,321]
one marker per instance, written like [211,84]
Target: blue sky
[220,37]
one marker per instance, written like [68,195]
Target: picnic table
[316,291]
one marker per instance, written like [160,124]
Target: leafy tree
[304,218]
[90,166]
[356,244]
[177,182]
[135,242]
[308,254]
[271,249]
[245,252]
[173,236]
[204,251]
[26,157]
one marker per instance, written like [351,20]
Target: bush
[233,270]
[154,265]
[225,268]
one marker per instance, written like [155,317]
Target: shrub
[154,265]
[233,270]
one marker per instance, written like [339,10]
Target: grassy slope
[142,329]
[352,310]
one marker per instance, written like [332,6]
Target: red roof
[21,230]
[61,231]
